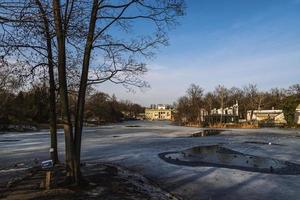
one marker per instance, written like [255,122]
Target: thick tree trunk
[52,119]
[83,85]
[69,148]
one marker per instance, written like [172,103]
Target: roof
[266,111]
[160,110]
[298,107]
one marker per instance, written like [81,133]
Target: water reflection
[218,156]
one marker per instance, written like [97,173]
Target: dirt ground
[102,181]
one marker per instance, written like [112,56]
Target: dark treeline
[191,106]
[24,108]
[31,108]
[100,107]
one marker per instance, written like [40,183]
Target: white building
[161,106]
[275,116]
[232,110]
[297,115]
[159,112]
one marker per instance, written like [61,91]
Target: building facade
[159,112]
[223,115]
[297,115]
[271,116]
[232,110]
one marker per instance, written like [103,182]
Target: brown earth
[101,181]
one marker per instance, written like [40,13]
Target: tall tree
[60,33]
[103,29]
[52,87]
[26,36]
[195,94]
[119,55]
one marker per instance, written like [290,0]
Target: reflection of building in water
[159,112]
[225,115]
[297,115]
[270,116]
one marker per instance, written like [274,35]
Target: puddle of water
[9,141]
[207,132]
[218,156]
[262,143]
[133,126]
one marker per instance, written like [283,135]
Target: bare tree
[254,98]
[222,94]
[182,110]
[105,37]
[119,57]
[195,94]
[8,78]
[209,101]
[50,62]
[122,67]
[294,89]
[26,36]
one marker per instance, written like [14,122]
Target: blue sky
[228,42]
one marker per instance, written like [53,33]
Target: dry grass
[234,125]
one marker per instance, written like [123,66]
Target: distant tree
[210,101]
[222,94]
[38,100]
[8,77]
[237,95]
[136,110]
[182,115]
[289,106]
[6,108]
[102,107]
[189,106]
[273,98]
[252,98]
[195,94]
[248,97]
[294,89]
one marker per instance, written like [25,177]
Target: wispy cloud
[232,44]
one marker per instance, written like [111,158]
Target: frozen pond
[136,145]
[218,156]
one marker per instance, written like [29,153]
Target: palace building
[297,115]
[159,112]
[270,116]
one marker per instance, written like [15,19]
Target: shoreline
[21,128]
[101,180]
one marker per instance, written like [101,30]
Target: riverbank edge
[102,180]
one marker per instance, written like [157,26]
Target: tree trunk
[83,85]
[222,109]
[60,35]
[52,119]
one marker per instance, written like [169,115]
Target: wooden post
[48,180]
